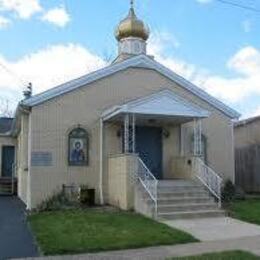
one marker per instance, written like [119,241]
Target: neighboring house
[134,119]
[7,147]
[247,148]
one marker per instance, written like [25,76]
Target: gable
[162,103]
[141,61]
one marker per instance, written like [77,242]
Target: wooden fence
[248,168]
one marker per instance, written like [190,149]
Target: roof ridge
[142,61]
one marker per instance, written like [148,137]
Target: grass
[231,255]
[247,210]
[79,231]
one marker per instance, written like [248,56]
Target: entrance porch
[160,139]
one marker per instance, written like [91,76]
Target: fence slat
[248,168]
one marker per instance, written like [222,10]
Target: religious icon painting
[78,147]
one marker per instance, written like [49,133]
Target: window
[78,147]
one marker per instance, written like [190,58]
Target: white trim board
[141,61]
[162,103]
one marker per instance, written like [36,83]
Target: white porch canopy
[163,104]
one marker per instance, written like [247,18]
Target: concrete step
[183,183]
[191,214]
[181,188]
[174,194]
[183,200]
[186,207]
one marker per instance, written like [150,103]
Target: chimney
[28,91]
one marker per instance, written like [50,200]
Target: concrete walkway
[212,229]
[250,244]
[15,238]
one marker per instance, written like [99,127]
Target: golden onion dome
[131,26]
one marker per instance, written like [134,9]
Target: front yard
[232,255]
[247,210]
[82,231]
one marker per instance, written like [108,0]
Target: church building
[127,130]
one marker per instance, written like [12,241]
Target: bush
[228,192]
[56,202]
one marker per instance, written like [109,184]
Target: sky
[213,44]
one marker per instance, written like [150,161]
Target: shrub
[56,202]
[228,192]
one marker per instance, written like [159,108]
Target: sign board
[41,159]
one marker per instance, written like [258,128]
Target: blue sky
[214,45]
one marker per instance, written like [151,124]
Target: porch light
[166,133]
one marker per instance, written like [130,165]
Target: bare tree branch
[5,109]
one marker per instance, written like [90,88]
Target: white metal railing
[148,181]
[209,178]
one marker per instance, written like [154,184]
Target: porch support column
[197,132]
[126,133]
[200,137]
[181,140]
[101,141]
[133,133]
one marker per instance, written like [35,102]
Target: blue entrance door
[7,160]
[149,148]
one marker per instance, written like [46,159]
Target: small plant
[228,192]
[55,202]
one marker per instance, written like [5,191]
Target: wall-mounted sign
[41,159]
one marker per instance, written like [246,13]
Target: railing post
[220,195]
[156,199]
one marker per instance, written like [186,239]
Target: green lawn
[246,210]
[232,255]
[79,231]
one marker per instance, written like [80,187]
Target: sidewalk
[250,244]
[214,229]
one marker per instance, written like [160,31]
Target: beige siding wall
[5,141]
[22,160]
[121,168]
[52,120]
[247,135]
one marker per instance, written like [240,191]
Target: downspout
[101,125]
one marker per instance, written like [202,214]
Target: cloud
[253,113]
[47,68]
[23,8]
[162,45]
[57,16]
[245,64]
[4,22]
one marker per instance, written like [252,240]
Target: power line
[245,7]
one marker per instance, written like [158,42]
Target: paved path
[212,229]
[251,244]
[15,238]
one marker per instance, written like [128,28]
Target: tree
[5,109]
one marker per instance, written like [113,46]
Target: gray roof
[141,61]
[5,125]
[247,121]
